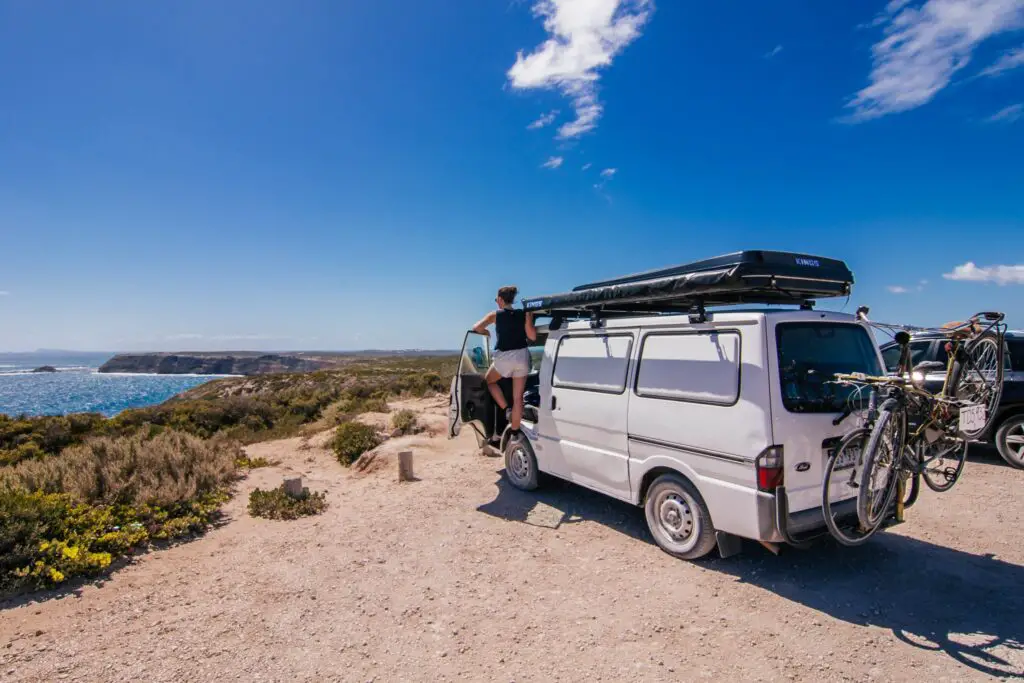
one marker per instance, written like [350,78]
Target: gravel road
[458,576]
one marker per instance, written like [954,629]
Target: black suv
[1007,430]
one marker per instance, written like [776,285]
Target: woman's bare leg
[518,389]
[492,385]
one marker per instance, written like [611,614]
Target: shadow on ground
[967,606]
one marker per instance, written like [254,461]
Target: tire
[912,491]
[940,476]
[880,454]
[521,464]
[678,518]
[964,378]
[1010,441]
[847,531]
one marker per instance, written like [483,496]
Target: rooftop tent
[745,277]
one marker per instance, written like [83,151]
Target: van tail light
[769,469]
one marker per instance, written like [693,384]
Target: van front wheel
[678,519]
[521,464]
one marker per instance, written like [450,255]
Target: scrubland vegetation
[77,492]
[277,504]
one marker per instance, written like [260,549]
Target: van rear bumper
[779,525]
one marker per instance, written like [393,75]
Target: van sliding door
[588,408]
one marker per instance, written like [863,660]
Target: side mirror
[929,366]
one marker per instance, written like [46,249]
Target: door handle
[554,403]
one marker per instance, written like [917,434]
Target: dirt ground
[458,576]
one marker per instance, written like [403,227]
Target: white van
[718,423]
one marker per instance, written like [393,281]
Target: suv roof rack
[744,277]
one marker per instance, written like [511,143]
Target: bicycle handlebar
[991,316]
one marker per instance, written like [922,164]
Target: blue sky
[277,175]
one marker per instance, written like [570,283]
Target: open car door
[470,403]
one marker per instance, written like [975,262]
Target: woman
[514,331]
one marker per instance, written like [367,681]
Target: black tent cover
[745,277]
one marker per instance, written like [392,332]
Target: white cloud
[896,289]
[1010,60]
[584,37]
[606,175]
[923,46]
[586,166]
[774,51]
[553,162]
[187,335]
[1002,275]
[544,120]
[4,293]
[1007,114]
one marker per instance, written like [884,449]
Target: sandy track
[458,576]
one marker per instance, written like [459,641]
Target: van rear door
[804,356]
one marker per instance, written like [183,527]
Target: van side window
[593,363]
[703,367]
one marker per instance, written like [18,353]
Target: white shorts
[512,363]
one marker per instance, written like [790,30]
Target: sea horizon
[78,387]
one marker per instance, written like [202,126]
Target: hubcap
[1015,441]
[675,517]
[520,463]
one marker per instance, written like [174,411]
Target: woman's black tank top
[510,325]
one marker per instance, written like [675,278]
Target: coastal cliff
[211,363]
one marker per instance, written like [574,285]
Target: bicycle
[914,434]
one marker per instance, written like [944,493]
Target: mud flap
[728,545]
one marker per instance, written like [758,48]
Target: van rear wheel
[678,519]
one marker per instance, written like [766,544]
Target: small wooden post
[293,486]
[405,466]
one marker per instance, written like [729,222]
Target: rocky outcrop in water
[45,368]
[211,363]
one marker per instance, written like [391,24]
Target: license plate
[972,418]
[850,456]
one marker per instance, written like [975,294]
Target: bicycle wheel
[942,462]
[879,474]
[977,377]
[911,491]
[840,488]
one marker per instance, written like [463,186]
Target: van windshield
[810,355]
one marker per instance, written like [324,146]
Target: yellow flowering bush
[75,514]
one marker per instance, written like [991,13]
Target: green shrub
[245,462]
[352,439]
[276,504]
[404,420]
[353,403]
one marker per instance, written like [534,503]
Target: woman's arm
[481,327]
[531,331]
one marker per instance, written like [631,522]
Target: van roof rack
[744,277]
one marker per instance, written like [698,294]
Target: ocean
[77,387]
